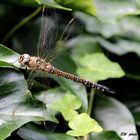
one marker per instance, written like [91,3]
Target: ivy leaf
[52,4]
[70,101]
[69,114]
[126,27]
[110,11]
[80,50]
[74,88]
[49,3]
[106,110]
[6,65]
[121,46]
[104,28]
[31,132]
[94,65]
[67,105]
[17,106]
[80,5]
[104,135]
[97,67]
[82,124]
[50,96]
[24,2]
[8,56]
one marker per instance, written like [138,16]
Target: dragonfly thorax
[33,62]
[24,60]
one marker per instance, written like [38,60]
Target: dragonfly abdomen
[87,83]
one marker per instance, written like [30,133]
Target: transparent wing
[48,46]
[67,32]
[48,34]
[59,44]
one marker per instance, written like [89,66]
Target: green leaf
[74,88]
[137,116]
[31,132]
[54,99]
[110,11]
[80,5]
[70,101]
[50,96]
[127,27]
[121,46]
[130,27]
[105,135]
[69,114]
[17,106]
[8,56]
[52,4]
[6,65]
[114,115]
[48,3]
[132,103]
[82,124]
[78,44]
[94,25]
[66,64]
[24,2]
[99,67]
[67,105]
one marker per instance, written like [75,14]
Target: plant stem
[132,76]
[91,98]
[21,23]
[85,137]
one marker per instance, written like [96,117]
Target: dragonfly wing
[48,34]
[68,30]
[48,45]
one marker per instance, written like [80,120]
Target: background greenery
[102,45]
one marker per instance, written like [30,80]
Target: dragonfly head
[24,60]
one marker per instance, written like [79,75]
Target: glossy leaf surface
[17,106]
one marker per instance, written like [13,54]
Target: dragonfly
[41,63]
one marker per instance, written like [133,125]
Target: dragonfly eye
[24,60]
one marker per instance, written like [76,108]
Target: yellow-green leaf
[86,6]
[82,124]
[67,105]
[98,67]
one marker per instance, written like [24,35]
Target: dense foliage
[100,44]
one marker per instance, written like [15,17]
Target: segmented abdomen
[87,83]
